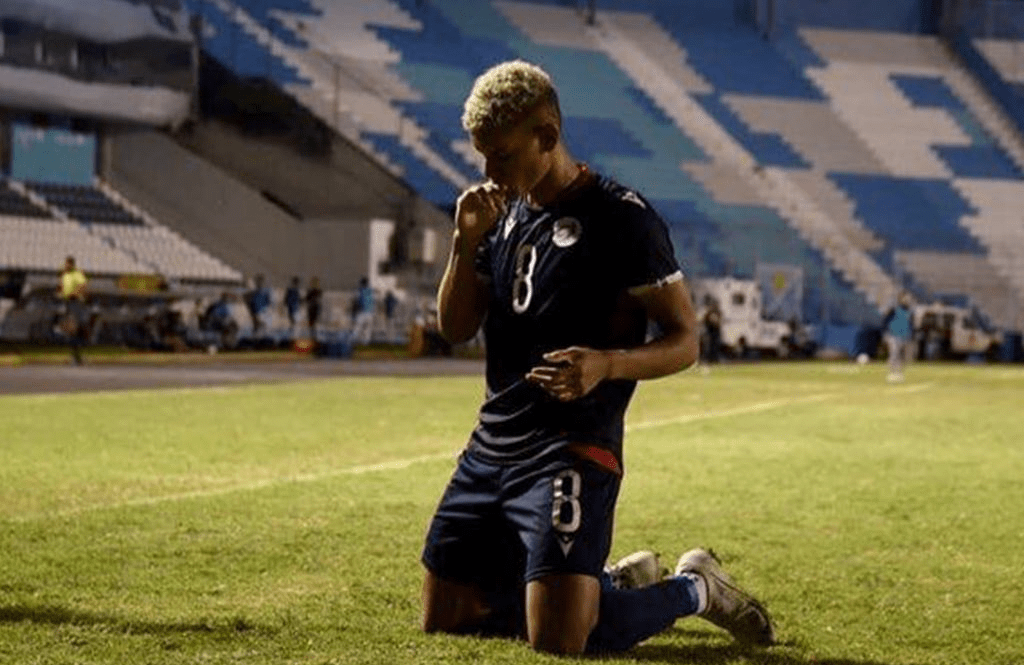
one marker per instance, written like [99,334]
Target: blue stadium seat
[261,11]
[656,179]
[472,20]
[85,204]
[428,183]
[738,60]
[442,42]
[13,204]
[911,214]
[443,84]
[792,47]
[241,53]
[714,240]
[984,158]
[979,161]
[927,91]
[587,138]
[767,149]
[617,128]
[444,122]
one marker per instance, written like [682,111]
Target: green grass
[282,524]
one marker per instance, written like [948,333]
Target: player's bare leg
[449,607]
[561,611]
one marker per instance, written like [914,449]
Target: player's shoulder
[614,196]
[621,204]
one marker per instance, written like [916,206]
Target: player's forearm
[668,354]
[461,296]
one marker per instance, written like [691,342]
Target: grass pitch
[882,525]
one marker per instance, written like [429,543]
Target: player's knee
[559,643]
[442,618]
[440,615]
[564,633]
[431,622]
[448,607]
[561,612]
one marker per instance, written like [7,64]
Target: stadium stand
[16,202]
[874,160]
[864,155]
[126,231]
[86,204]
[330,86]
[40,244]
[153,243]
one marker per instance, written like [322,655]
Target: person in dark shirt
[712,321]
[564,268]
[292,302]
[257,301]
[314,304]
[217,318]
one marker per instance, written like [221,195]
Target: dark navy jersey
[561,276]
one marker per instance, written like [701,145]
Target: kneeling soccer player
[564,268]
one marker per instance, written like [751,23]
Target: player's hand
[573,372]
[479,208]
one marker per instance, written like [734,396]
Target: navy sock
[629,616]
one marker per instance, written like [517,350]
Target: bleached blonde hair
[505,94]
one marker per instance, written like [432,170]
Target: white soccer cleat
[728,606]
[639,569]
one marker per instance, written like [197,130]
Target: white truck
[954,331]
[743,324]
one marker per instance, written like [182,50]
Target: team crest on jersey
[566,231]
[633,197]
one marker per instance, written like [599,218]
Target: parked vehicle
[744,327]
[949,331]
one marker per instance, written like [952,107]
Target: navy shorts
[498,526]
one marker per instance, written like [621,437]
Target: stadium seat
[872,142]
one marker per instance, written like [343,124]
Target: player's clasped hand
[573,372]
[480,207]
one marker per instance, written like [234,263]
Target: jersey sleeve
[648,259]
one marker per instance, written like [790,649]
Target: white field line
[400,464]
[912,388]
[734,411]
[392,465]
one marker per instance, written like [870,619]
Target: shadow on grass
[56,615]
[712,651]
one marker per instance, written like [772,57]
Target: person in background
[218,319]
[292,302]
[258,303]
[73,315]
[314,304]
[362,326]
[899,331]
[712,323]
[390,309]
